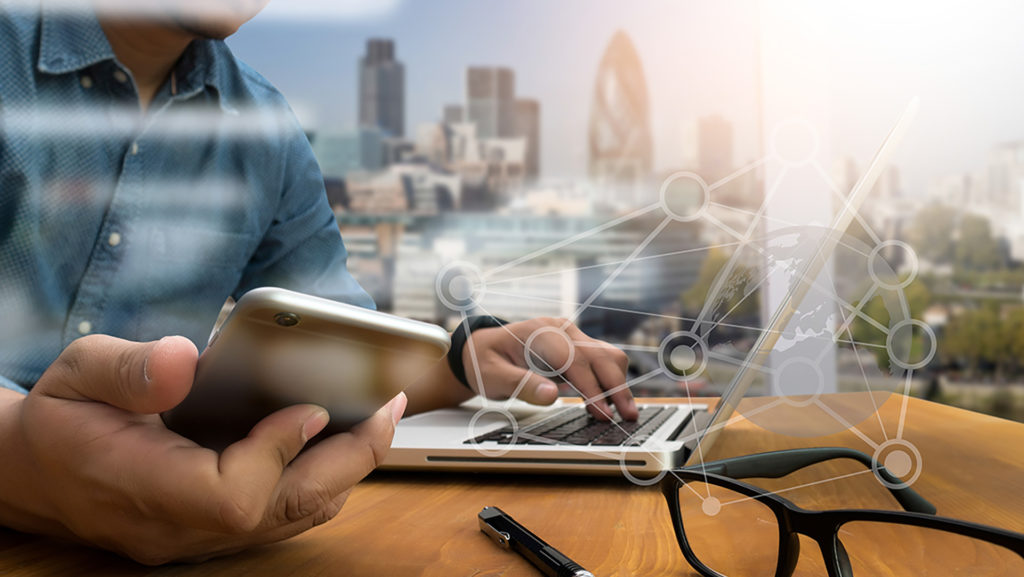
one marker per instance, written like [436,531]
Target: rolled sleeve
[11,385]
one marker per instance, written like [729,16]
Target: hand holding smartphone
[279,348]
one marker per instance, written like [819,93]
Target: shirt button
[84,327]
[135,148]
[114,239]
[86,82]
[120,77]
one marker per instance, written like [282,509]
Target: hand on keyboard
[558,351]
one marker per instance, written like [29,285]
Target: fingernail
[314,424]
[547,389]
[145,362]
[398,405]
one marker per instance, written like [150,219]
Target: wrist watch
[459,338]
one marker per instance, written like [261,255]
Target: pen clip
[499,537]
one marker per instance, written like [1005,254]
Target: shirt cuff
[9,384]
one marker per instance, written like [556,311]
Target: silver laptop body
[503,438]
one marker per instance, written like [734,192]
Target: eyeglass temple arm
[775,464]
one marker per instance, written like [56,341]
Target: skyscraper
[454,114]
[714,147]
[527,125]
[621,150]
[382,88]
[490,101]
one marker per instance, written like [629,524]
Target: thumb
[139,377]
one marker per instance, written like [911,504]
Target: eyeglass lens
[738,536]
[896,549]
[749,547]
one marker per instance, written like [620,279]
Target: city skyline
[966,86]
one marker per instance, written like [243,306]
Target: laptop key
[575,426]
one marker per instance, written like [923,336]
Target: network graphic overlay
[788,251]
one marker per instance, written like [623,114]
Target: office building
[620,144]
[382,88]
[714,148]
[454,114]
[527,127]
[490,101]
[341,153]
[553,284]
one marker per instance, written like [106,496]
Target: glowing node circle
[532,358]
[906,363]
[474,435]
[903,457]
[912,262]
[638,480]
[682,357]
[711,506]
[460,286]
[683,361]
[899,463]
[794,142]
[802,367]
[684,197]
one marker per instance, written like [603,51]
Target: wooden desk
[425,524]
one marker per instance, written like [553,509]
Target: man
[145,176]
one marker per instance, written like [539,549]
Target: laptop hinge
[691,430]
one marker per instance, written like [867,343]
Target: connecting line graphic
[737,173]
[515,395]
[846,327]
[628,347]
[615,273]
[613,263]
[585,234]
[803,486]
[902,458]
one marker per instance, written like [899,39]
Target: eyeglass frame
[822,526]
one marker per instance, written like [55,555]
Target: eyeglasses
[728,528]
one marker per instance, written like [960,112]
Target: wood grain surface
[425,523]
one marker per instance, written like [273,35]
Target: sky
[963,59]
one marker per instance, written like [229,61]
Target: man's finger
[336,464]
[506,377]
[612,378]
[139,377]
[251,469]
[581,375]
[609,364]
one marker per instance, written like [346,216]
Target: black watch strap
[459,338]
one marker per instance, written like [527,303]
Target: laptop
[493,436]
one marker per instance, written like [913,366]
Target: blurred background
[539,145]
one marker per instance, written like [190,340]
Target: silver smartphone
[279,348]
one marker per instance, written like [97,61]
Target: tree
[976,250]
[931,233]
[918,297]
[975,339]
[741,282]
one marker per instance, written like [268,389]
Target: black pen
[508,534]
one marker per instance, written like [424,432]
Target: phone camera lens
[286,319]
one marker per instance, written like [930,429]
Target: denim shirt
[140,224]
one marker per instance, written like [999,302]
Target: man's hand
[560,352]
[86,456]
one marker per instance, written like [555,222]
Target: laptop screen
[801,277]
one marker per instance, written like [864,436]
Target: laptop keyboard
[574,426]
